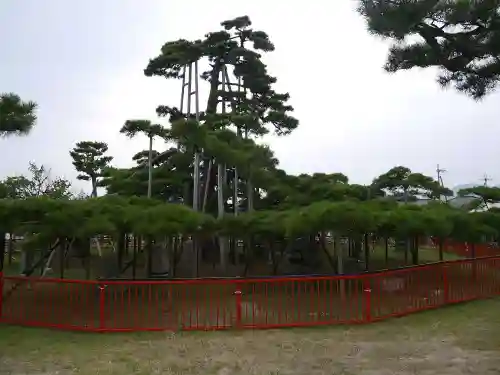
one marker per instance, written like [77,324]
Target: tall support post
[234,107]
[250,192]
[183,89]
[150,166]
[221,170]
[240,89]
[206,185]
[196,167]
[186,104]
[183,93]
[236,176]
[236,204]
[189,90]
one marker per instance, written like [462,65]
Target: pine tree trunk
[441,249]
[340,255]
[414,252]
[94,186]
[206,185]
[62,255]
[11,248]
[340,265]
[250,192]
[386,243]
[407,250]
[213,99]
[324,247]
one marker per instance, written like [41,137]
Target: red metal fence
[244,303]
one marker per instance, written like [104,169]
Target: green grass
[475,325]
[396,258]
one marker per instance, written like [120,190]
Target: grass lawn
[396,258]
[461,339]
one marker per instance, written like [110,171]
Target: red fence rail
[244,303]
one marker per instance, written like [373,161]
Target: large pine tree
[17,117]
[461,37]
[90,161]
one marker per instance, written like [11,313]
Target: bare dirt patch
[458,340]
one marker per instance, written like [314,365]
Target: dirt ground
[461,339]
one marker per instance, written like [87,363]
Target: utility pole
[485,179]
[439,172]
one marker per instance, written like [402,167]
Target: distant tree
[81,195]
[401,183]
[39,183]
[142,157]
[89,160]
[461,37]
[485,196]
[133,127]
[255,107]
[16,117]
[15,187]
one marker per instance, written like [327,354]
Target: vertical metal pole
[225,84]
[150,165]
[220,190]
[250,194]
[236,203]
[62,250]
[196,167]
[196,161]
[183,94]
[189,87]
[250,189]
[236,176]
[183,89]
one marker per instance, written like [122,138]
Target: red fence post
[367,301]
[239,299]
[102,307]
[446,285]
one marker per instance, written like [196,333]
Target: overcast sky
[82,61]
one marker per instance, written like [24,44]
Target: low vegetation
[450,341]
